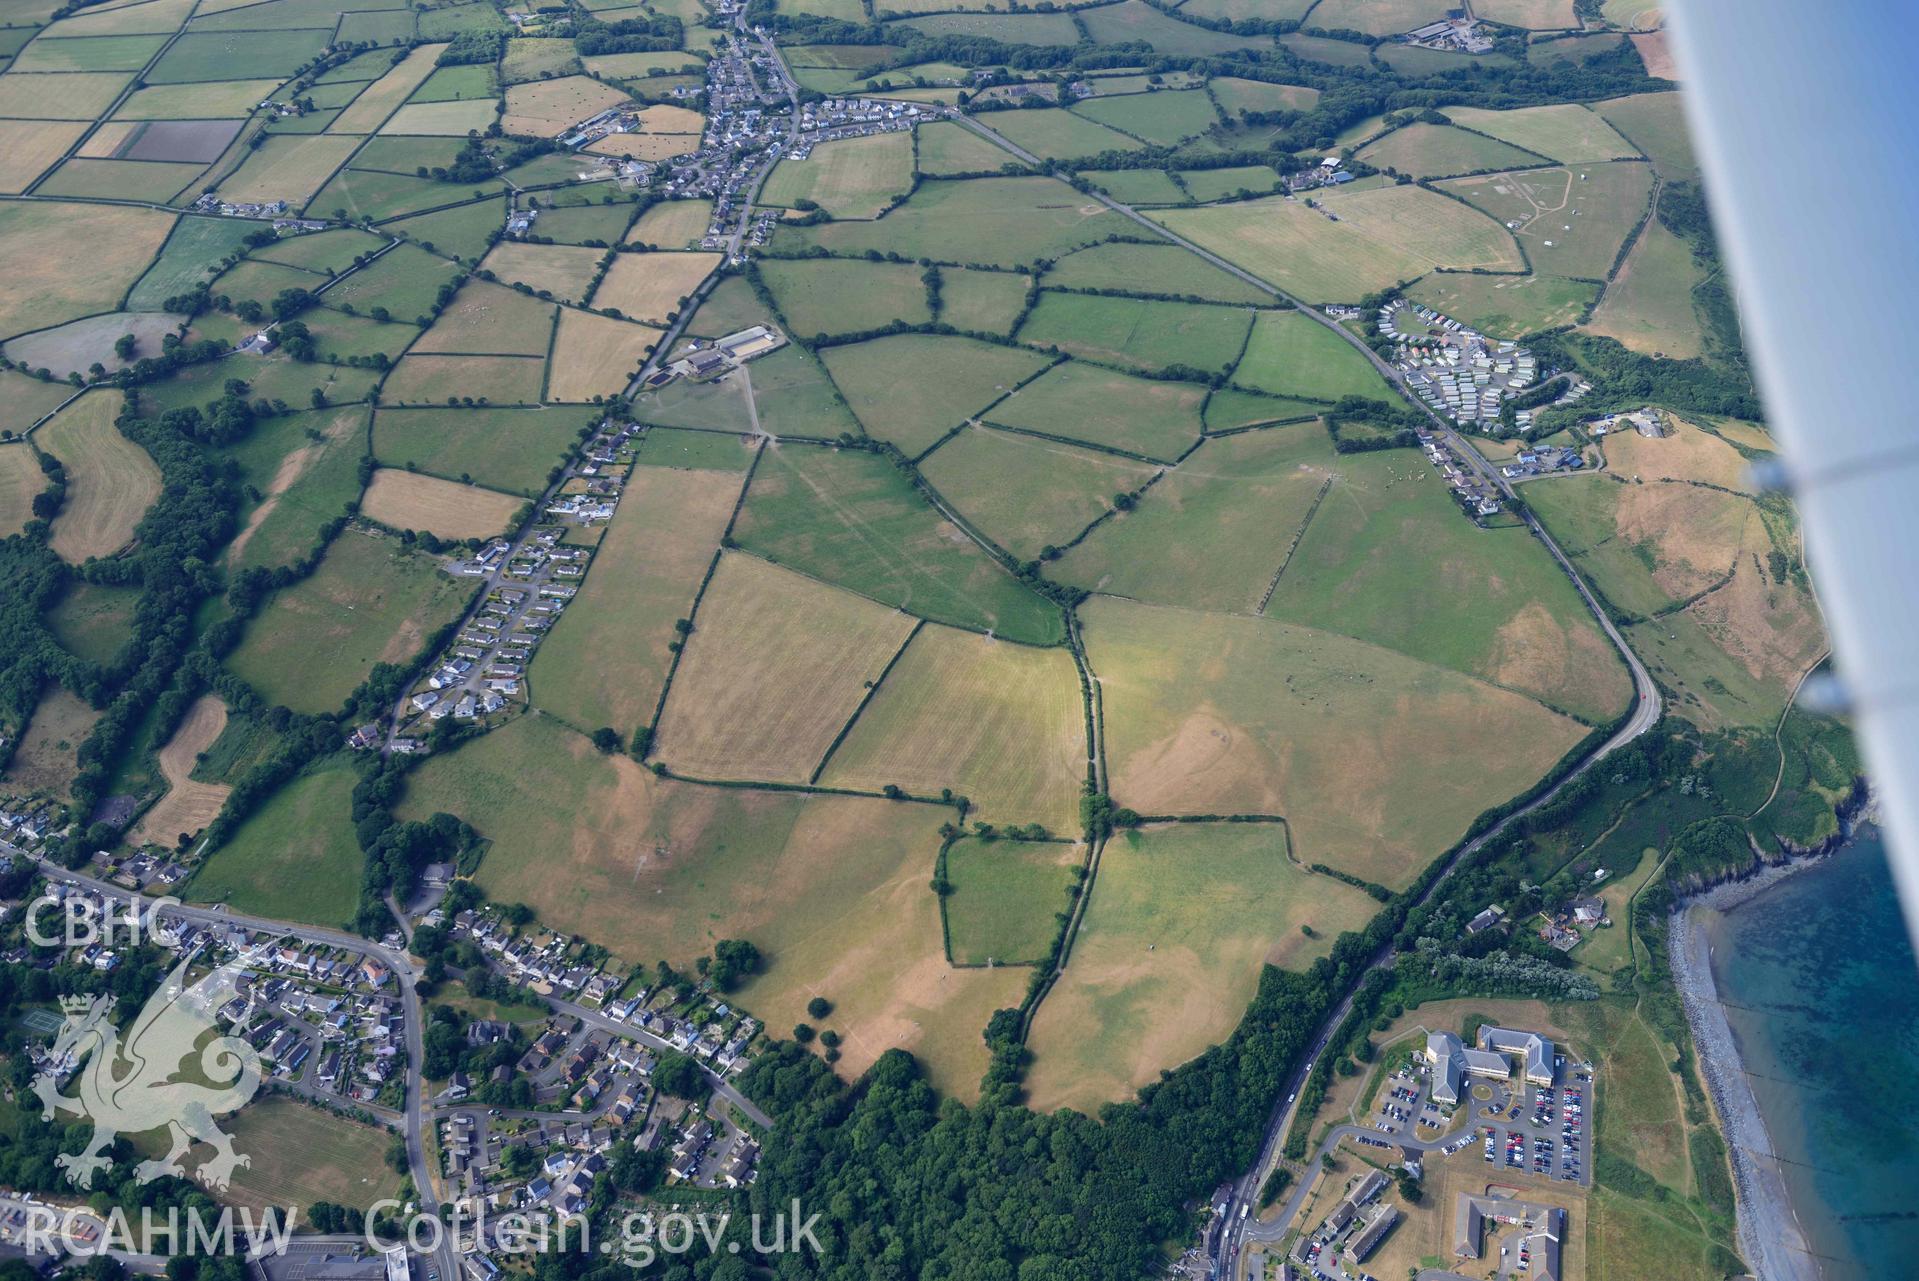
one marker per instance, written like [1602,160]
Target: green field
[1341,743]
[849,517]
[985,302]
[1000,222]
[1053,133]
[850,178]
[1655,123]
[235,55]
[295,858]
[1025,493]
[826,296]
[300,1155]
[998,722]
[1230,409]
[1180,922]
[1291,354]
[1388,532]
[369,602]
[607,658]
[1160,119]
[1009,28]
[1164,270]
[1139,333]
[1219,184]
[92,621]
[404,283]
[303,483]
[1105,407]
[1573,220]
[1141,187]
[1136,20]
[191,253]
[1566,132]
[946,147]
[1435,151]
[1235,95]
[1212,533]
[953,379]
[1006,900]
[1649,304]
[1505,306]
[507,449]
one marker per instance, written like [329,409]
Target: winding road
[1646,708]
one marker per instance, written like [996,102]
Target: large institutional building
[1453,1061]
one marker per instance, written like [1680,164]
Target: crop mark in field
[1291,548]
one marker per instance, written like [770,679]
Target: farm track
[1645,713]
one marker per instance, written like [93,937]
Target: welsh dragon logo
[133,1086]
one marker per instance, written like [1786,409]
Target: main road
[1243,1199]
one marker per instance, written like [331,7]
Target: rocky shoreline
[1771,1237]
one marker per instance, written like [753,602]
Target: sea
[1819,982]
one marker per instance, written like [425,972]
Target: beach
[1771,1239]
[1786,977]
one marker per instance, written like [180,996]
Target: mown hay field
[1350,742]
[1181,920]
[595,355]
[607,658]
[548,108]
[445,508]
[20,480]
[287,167]
[833,890]
[849,517]
[28,148]
[370,601]
[426,379]
[35,243]
[650,287]
[110,480]
[565,271]
[776,665]
[1000,723]
[187,806]
[369,110]
[849,178]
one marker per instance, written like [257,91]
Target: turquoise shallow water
[1820,986]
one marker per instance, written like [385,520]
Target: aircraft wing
[1807,126]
